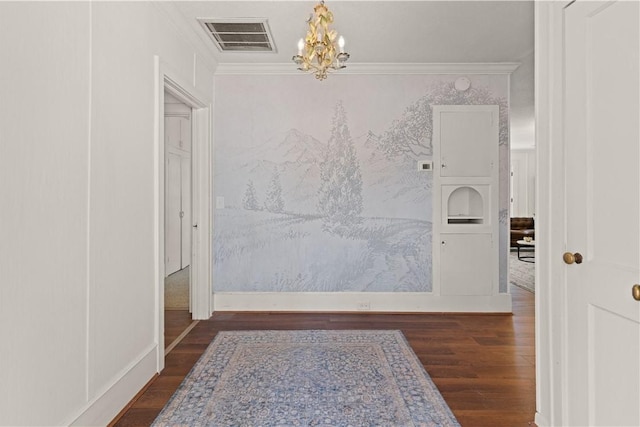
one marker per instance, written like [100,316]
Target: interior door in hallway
[173,213]
[601,106]
[185,200]
[177,125]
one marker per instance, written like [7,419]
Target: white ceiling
[385,31]
[395,32]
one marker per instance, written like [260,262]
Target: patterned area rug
[521,273]
[307,378]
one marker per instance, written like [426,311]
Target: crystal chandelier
[317,51]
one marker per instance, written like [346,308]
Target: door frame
[201,155]
[550,304]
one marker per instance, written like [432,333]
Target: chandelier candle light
[317,51]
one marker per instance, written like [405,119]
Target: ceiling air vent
[240,35]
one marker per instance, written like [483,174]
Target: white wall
[77,268]
[522,133]
[44,129]
[296,258]
[521,104]
[523,166]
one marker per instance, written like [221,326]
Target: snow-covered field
[258,251]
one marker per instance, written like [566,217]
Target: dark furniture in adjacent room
[521,227]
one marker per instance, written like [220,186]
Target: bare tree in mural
[250,200]
[410,135]
[274,201]
[340,194]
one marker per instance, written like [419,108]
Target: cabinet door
[466,264]
[468,141]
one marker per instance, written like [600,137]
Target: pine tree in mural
[274,201]
[340,194]
[250,200]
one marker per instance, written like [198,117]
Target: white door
[172,230]
[185,201]
[601,107]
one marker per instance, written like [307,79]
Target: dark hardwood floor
[484,365]
[175,322]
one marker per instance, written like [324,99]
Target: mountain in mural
[293,146]
[296,157]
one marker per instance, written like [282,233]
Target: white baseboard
[102,409]
[541,421]
[359,302]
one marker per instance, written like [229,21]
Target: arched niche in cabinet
[465,215]
[464,204]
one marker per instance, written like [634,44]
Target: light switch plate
[219,202]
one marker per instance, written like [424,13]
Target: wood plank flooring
[175,322]
[484,365]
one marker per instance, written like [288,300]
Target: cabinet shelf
[464,205]
[466,227]
[465,219]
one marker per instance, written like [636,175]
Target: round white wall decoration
[462,84]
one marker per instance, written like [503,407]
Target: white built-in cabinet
[177,133]
[465,193]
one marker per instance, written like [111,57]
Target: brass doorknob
[570,258]
[635,291]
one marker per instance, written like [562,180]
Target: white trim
[407,302]
[371,68]
[550,299]
[171,81]
[112,398]
[158,215]
[201,156]
[87,355]
[180,337]
[203,49]
[182,89]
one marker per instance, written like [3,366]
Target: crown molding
[205,52]
[374,68]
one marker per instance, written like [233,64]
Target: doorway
[523,216]
[178,219]
[198,223]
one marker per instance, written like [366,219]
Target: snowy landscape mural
[320,182]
